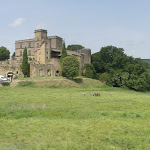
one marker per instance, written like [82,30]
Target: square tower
[40,35]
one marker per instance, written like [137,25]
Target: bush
[104,77]
[89,71]
[30,59]
[5,83]
[26,84]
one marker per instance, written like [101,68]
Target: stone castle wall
[37,70]
[6,68]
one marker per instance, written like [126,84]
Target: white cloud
[17,22]
[41,26]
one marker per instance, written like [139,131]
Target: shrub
[26,84]
[30,59]
[104,77]
[89,71]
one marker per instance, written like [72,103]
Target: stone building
[44,54]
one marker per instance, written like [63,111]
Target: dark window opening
[55,54]
[29,44]
[10,74]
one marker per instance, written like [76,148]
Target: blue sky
[91,23]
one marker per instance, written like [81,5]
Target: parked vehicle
[3,78]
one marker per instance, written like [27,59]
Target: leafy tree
[89,71]
[63,53]
[70,67]
[4,53]
[123,70]
[74,47]
[109,58]
[25,65]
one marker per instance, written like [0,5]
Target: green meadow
[55,116]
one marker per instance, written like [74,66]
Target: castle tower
[87,55]
[40,34]
[40,48]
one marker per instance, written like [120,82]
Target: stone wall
[6,68]
[37,70]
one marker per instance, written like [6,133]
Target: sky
[91,23]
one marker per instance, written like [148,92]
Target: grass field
[43,118]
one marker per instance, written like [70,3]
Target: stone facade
[6,68]
[44,54]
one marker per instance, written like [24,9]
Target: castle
[44,54]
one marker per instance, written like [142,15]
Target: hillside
[56,82]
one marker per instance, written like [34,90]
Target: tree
[13,54]
[74,47]
[70,67]
[4,53]
[108,58]
[89,71]
[25,65]
[63,53]
[122,70]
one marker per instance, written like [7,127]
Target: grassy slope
[60,118]
[56,82]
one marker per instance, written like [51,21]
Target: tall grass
[60,118]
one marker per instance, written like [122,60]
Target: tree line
[115,68]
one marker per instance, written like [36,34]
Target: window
[37,44]
[21,45]
[20,53]
[37,39]
[29,44]
[29,53]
